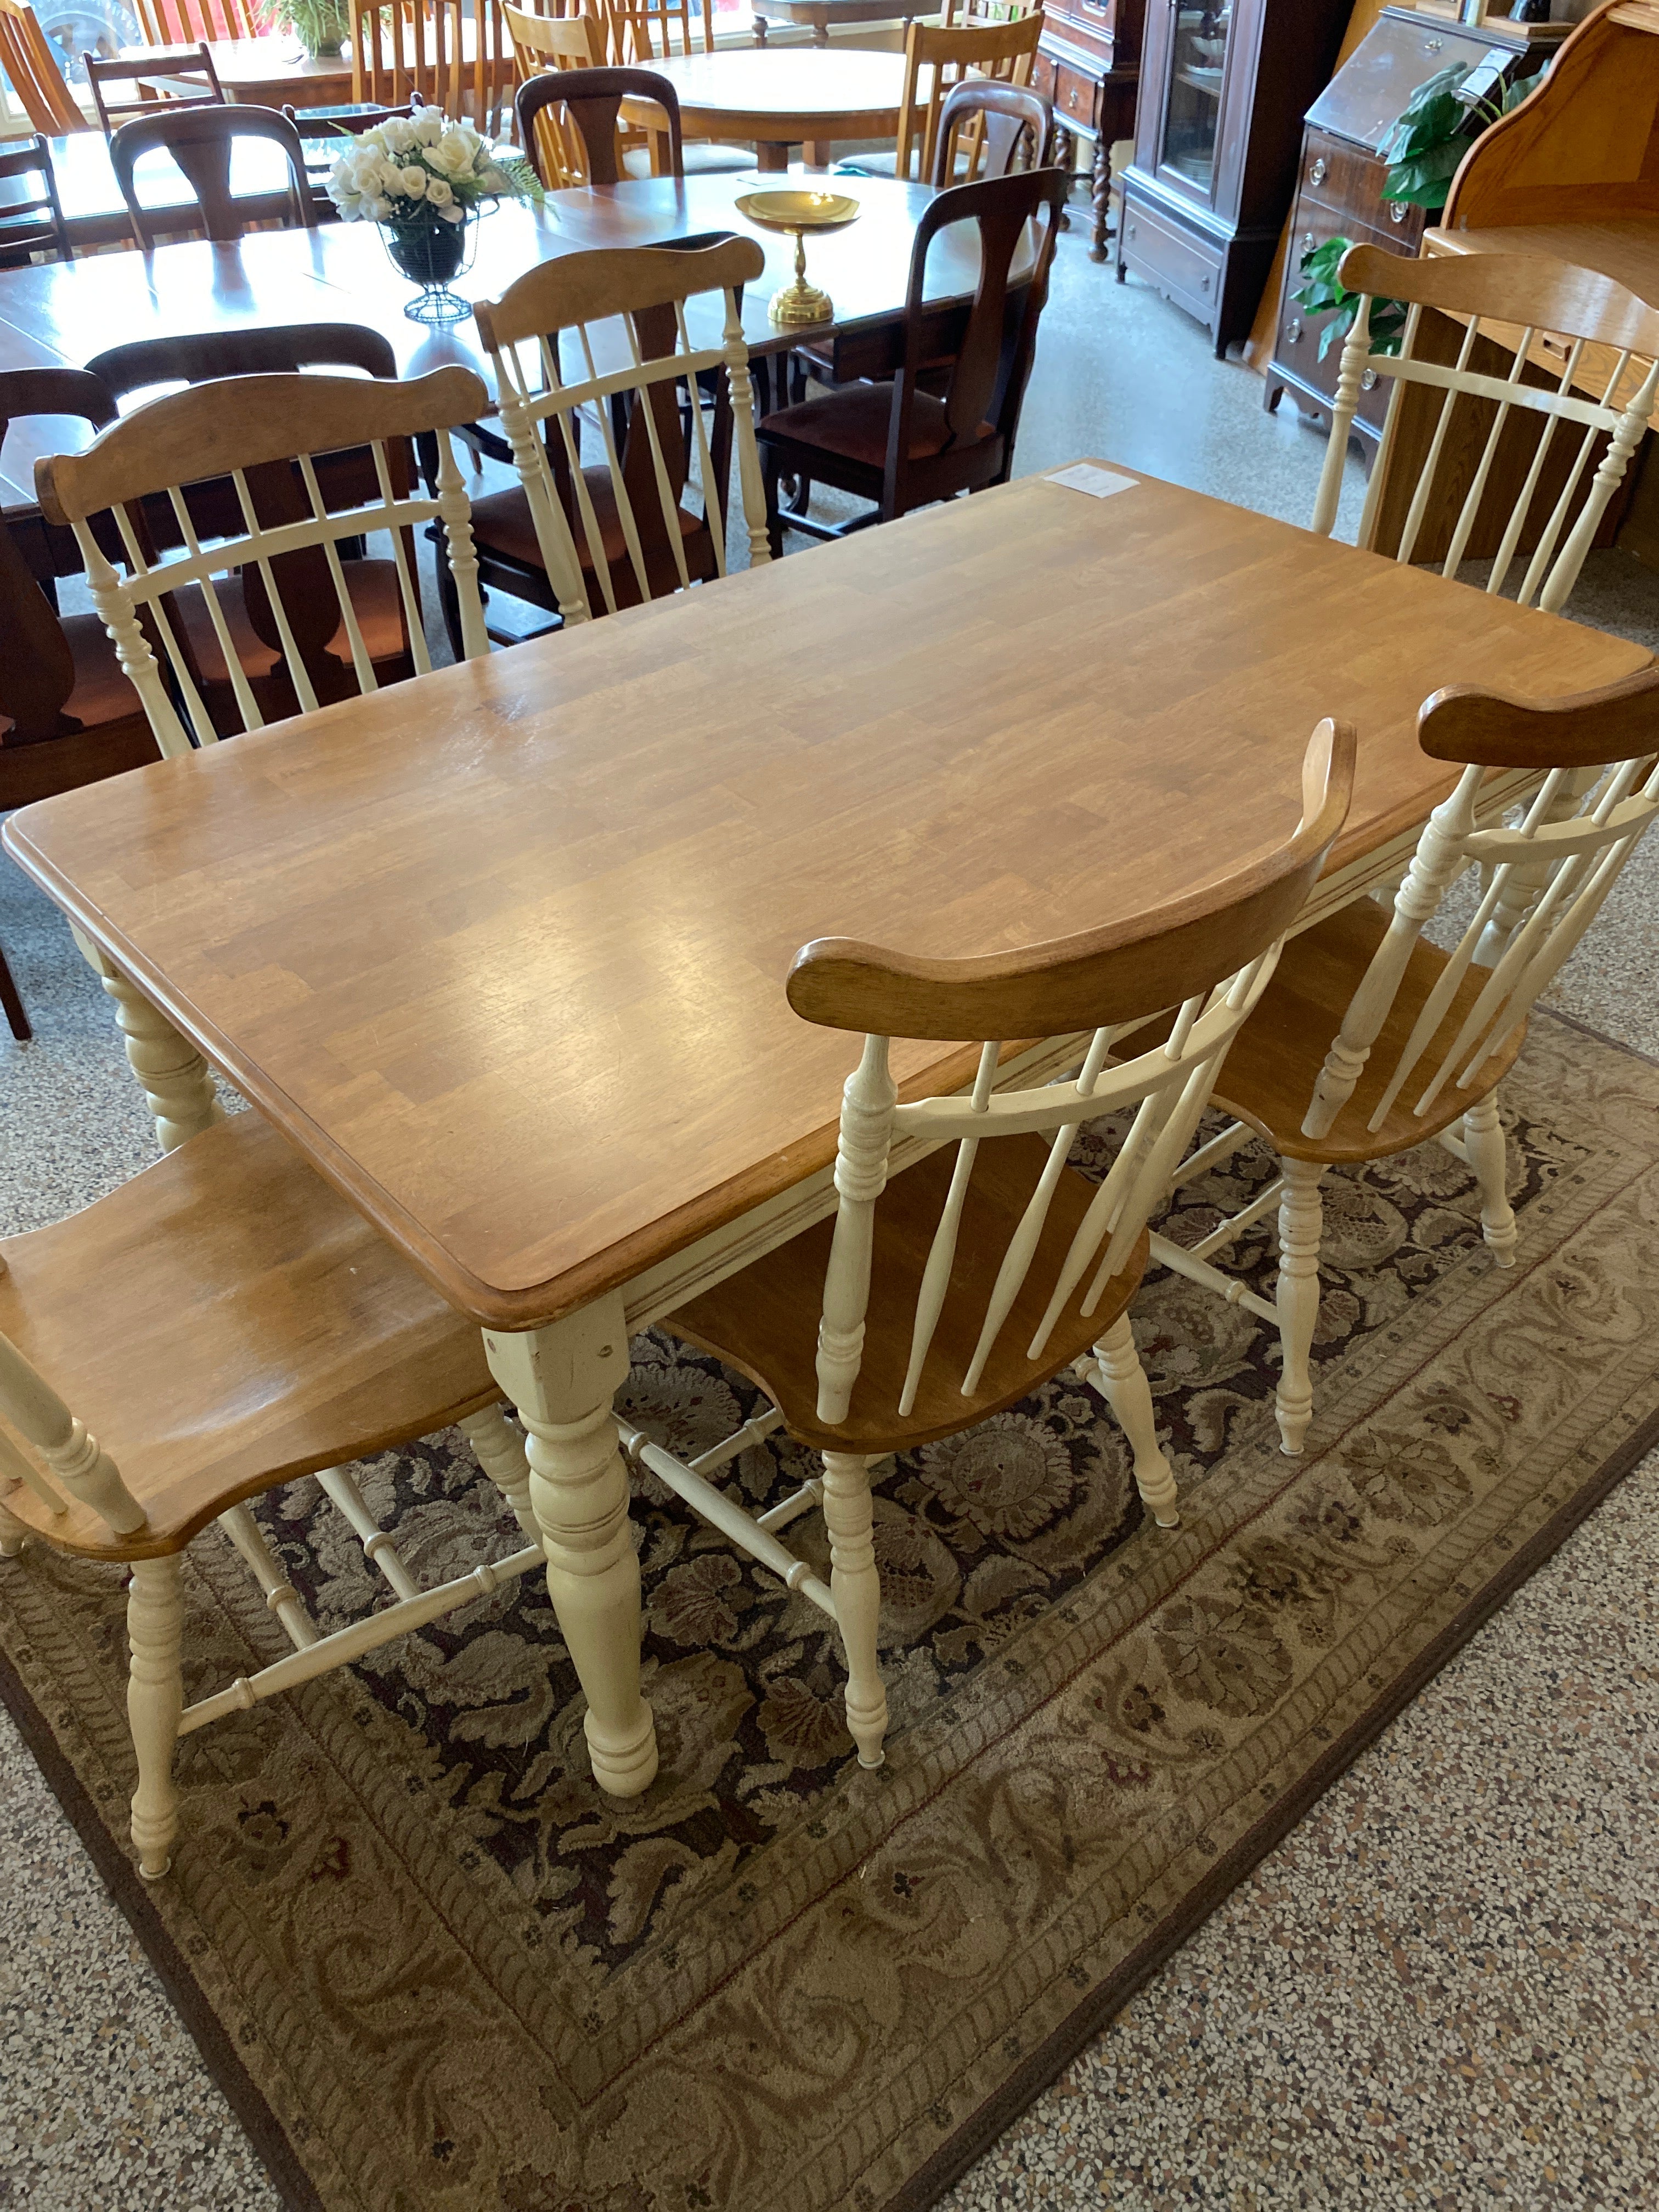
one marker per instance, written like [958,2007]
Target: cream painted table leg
[176,1081]
[563,1379]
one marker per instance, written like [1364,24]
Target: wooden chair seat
[225,1282]
[854,421]
[101,692]
[501,527]
[764,1321]
[375,599]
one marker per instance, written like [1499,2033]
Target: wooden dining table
[502,951]
[782,96]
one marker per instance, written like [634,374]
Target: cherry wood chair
[947,422]
[990,129]
[412,45]
[30,67]
[581,107]
[219,1325]
[201,142]
[581,539]
[1370,1040]
[966,1263]
[1471,465]
[175,23]
[169,77]
[326,632]
[36,225]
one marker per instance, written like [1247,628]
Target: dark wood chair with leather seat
[201,142]
[591,99]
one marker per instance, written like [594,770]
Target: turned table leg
[176,1081]
[1103,197]
[561,1379]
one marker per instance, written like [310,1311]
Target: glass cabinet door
[1192,109]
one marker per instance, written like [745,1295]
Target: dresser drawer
[1076,97]
[1295,348]
[1350,181]
[1170,262]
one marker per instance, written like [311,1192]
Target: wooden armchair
[264,560]
[947,422]
[201,142]
[219,1325]
[1499,354]
[30,67]
[1369,1039]
[581,537]
[967,1263]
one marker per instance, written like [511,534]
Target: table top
[842,11]
[271,67]
[503,950]
[782,95]
[62,313]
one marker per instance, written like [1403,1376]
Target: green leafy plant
[1323,293]
[322,27]
[1435,130]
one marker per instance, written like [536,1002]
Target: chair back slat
[950,53]
[543,45]
[408,46]
[1222,943]
[31,226]
[30,67]
[1549,877]
[201,142]
[580,314]
[640,32]
[1507,307]
[277,544]
[177,23]
[992,127]
[167,77]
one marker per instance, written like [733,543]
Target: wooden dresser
[1340,184]
[1089,64]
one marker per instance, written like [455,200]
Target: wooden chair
[620,531]
[1370,1040]
[410,45]
[28,227]
[543,45]
[901,444]
[170,77]
[580,107]
[219,1325]
[640,32]
[323,128]
[201,142]
[323,628]
[990,129]
[1469,465]
[966,1263]
[30,67]
[177,22]
[937,57]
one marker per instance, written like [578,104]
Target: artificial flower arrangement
[413,172]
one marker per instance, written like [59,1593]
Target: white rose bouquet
[417,172]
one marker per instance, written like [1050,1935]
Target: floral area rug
[435,1968]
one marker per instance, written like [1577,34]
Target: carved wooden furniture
[636,938]
[1483,454]
[178,76]
[219,1325]
[34,225]
[947,421]
[1340,183]
[575,111]
[945,1293]
[256,614]
[1224,86]
[785,97]
[1369,1039]
[582,537]
[200,141]
[1089,64]
[31,68]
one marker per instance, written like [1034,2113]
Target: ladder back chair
[1496,452]
[546,47]
[966,1263]
[219,1325]
[947,422]
[170,77]
[411,45]
[34,225]
[177,22]
[937,57]
[201,142]
[272,566]
[1371,1040]
[29,65]
[990,129]
[582,538]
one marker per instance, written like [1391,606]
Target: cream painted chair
[1497,466]
[966,1264]
[1371,1040]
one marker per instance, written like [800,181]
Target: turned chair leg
[155,1698]
[1123,1382]
[16,1013]
[500,1451]
[771,469]
[856,1587]
[1488,1155]
[1301,1216]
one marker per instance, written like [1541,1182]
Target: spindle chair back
[168,76]
[179,22]
[1371,1039]
[938,57]
[640,32]
[201,142]
[967,1262]
[408,46]
[218,1325]
[29,65]
[1515,304]
[581,106]
[542,45]
[281,567]
[617,532]
[991,129]
[34,225]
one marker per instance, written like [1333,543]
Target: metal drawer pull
[1317,175]
[1293,330]
[1307,241]
[1433,46]
[1399,210]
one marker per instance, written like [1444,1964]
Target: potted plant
[322,27]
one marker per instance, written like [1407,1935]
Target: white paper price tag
[1084,476]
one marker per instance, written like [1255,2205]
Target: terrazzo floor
[1437,1991]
